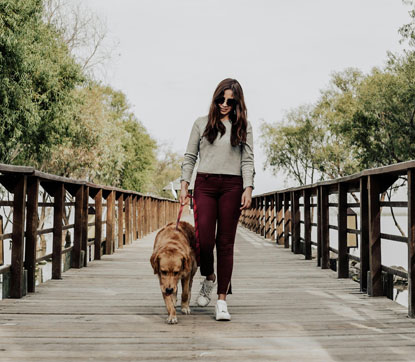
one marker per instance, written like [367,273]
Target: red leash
[197,246]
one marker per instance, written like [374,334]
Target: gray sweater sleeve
[190,156]
[247,159]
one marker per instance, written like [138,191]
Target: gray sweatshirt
[220,157]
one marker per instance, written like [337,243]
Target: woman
[223,187]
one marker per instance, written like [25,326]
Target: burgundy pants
[218,199]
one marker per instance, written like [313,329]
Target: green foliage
[294,146]
[139,150]
[360,121]
[167,169]
[54,118]
[381,130]
[37,78]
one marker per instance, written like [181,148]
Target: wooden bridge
[285,306]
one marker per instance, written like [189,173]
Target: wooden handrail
[138,214]
[277,216]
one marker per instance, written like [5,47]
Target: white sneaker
[222,313]
[203,298]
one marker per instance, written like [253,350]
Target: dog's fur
[174,259]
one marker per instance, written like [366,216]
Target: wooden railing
[136,216]
[280,215]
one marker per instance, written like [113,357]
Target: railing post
[19,207]
[343,267]
[140,217]
[364,234]
[296,225]
[258,215]
[287,219]
[98,225]
[31,232]
[158,214]
[324,230]
[376,288]
[280,225]
[319,226]
[76,253]
[120,207]
[251,214]
[307,224]
[146,215]
[131,220]
[85,224]
[110,223]
[127,219]
[58,210]
[411,242]
[134,216]
[264,215]
[271,215]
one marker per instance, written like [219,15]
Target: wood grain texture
[19,209]
[31,231]
[283,309]
[98,225]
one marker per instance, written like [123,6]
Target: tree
[167,169]
[294,146]
[84,33]
[37,78]
[336,105]
[381,130]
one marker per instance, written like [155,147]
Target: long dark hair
[238,114]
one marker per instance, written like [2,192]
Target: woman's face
[225,109]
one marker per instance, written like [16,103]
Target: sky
[171,55]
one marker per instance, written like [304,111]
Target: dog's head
[170,264]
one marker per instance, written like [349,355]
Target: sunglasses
[230,102]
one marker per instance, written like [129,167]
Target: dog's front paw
[185,309]
[172,319]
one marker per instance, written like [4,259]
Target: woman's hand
[246,199]
[183,193]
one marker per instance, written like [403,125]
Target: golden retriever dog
[174,259]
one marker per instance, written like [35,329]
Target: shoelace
[206,288]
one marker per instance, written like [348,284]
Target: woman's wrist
[184,186]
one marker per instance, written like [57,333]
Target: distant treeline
[54,114]
[359,121]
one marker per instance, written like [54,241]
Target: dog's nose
[169,291]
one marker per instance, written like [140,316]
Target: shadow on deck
[283,308]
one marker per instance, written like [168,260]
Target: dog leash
[197,246]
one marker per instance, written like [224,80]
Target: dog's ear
[154,260]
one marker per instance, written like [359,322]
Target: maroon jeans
[218,199]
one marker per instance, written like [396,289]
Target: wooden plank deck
[283,308]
